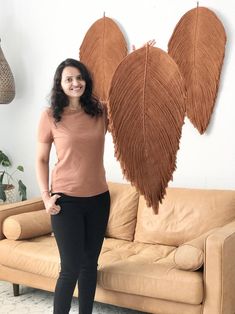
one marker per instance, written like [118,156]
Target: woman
[78,199]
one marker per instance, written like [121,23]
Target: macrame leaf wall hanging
[198,45]
[146,113]
[102,49]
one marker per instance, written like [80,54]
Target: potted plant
[8,179]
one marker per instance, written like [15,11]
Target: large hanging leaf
[102,49]
[197,45]
[146,112]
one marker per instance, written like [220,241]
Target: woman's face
[72,82]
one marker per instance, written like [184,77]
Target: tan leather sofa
[181,261]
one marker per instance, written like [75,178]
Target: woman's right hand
[50,204]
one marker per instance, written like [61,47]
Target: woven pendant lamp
[146,114]
[102,49]
[7,84]
[198,46]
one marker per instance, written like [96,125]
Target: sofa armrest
[18,208]
[219,272]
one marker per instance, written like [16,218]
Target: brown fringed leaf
[197,45]
[146,113]
[102,49]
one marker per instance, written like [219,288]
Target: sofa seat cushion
[115,250]
[40,255]
[147,270]
[37,255]
[124,266]
[156,280]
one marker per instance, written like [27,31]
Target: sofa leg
[16,290]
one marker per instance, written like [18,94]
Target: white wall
[37,35]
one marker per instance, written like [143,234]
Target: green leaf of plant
[22,190]
[20,168]
[4,160]
[2,193]
[1,177]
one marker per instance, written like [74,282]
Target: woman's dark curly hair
[59,100]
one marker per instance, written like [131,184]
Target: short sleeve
[44,129]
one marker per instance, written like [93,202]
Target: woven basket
[7,84]
[10,194]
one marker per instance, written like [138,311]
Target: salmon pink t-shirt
[79,143]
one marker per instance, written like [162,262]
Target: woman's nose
[75,82]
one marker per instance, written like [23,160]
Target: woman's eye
[79,78]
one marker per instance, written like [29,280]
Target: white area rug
[34,301]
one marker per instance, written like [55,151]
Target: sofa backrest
[183,215]
[123,211]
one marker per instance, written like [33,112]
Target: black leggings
[79,230]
